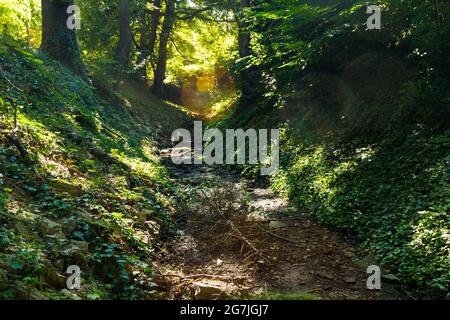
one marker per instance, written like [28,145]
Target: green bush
[394,198]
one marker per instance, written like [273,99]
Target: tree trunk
[149,36]
[160,72]
[58,41]
[248,79]
[154,23]
[243,33]
[123,49]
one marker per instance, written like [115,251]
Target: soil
[269,248]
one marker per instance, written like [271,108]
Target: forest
[136,137]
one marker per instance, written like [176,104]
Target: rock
[83,246]
[349,280]
[349,254]
[153,227]
[84,215]
[59,236]
[274,224]
[22,229]
[145,215]
[207,290]
[59,265]
[390,278]
[46,226]
[324,275]
[63,186]
[23,292]
[76,253]
[69,225]
[56,280]
[52,277]
[143,236]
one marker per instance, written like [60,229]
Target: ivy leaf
[16,265]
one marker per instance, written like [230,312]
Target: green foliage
[110,255]
[392,197]
[198,48]
[66,184]
[365,115]
[20,19]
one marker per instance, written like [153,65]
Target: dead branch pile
[227,215]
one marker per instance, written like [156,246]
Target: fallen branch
[94,150]
[195,276]
[246,241]
[14,140]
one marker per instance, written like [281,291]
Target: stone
[207,290]
[46,226]
[52,277]
[24,292]
[145,215]
[63,186]
[143,236]
[76,253]
[390,277]
[22,229]
[153,227]
[59,265]
[274,224]
[324,275]
[349,280]
[83,246]
[69,225]
[84,215]
[349,254]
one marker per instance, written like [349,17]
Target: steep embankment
[80,182]
[365,150]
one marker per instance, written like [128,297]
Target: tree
[160,72]
[149,36]
[248,78]
[58,41]
[243,32]
[123,49]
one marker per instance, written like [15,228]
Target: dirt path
[240,241]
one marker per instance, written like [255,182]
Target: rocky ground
[240,240]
